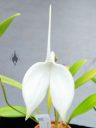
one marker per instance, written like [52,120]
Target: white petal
[61,88]
[35,85]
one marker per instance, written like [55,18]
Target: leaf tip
[18,14]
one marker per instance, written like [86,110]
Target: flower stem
[5,97]
[56,118]
[38,110]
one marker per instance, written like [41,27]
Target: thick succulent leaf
[85,78]
[76,66]
[49,101]
[9,112]
[84,106]
[10,81]
[6,23]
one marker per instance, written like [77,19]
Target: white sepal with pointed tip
[61,89]
[35,84]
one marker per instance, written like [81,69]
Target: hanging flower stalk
[48,74]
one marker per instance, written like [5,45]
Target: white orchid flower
[44,75]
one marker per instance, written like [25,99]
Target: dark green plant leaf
[84,106]
[76,66]
[10,81]
[6,23]
[85,78]
[9,112]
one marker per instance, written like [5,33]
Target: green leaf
[76,66]
[85,78]
[49,101]
[6,23]
[10,81]
[9,112]
[84,106]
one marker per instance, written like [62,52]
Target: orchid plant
[48,77]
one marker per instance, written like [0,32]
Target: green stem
[5,97]
[56,118]
[38,110]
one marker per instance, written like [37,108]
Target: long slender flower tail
[49,35]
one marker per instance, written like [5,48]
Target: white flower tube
[44,74]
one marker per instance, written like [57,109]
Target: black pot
[21,123]
[78,126]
